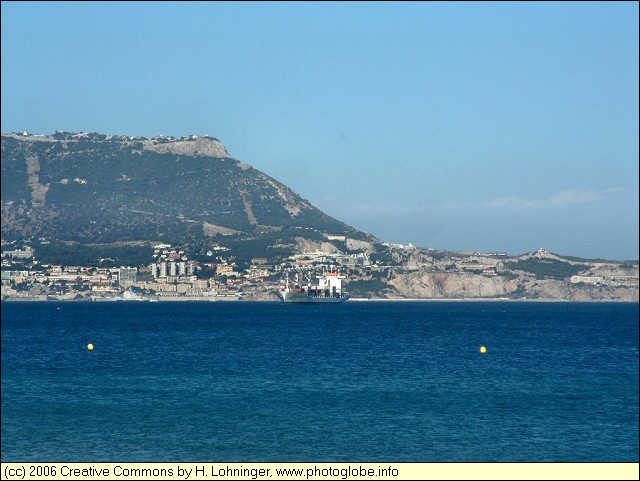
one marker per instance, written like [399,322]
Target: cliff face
[428,285]
[439,285]
[192,146]
[462,285]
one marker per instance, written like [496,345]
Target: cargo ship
[321,289]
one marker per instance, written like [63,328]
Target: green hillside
[97,189]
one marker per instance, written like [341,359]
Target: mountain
[90,188]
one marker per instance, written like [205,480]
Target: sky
[480,126]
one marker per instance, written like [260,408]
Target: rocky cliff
[536,275]
[427,285]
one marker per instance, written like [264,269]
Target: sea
[360,381]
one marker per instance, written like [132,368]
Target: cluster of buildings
[361,259]
[616,281]
[171,275]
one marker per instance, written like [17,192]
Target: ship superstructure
[325,288]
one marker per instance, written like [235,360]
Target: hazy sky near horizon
[461,126]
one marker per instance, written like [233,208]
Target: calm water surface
[367,381]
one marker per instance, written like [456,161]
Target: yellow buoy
[90,347]
[483,349]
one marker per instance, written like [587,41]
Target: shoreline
[353,300]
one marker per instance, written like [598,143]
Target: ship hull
[302,298]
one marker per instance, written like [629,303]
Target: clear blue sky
[462,126]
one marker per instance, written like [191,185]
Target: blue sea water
[361,381]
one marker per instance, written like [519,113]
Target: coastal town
[179,219]
[400,272]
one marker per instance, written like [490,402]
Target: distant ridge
[93,188]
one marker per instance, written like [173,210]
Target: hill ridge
[97,188]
